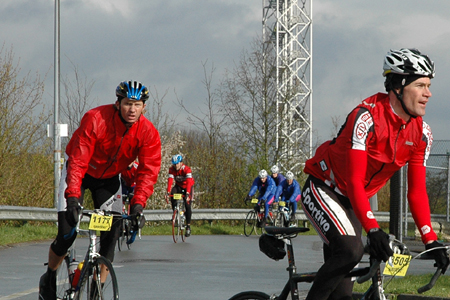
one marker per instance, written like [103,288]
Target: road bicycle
[253,220]
[179,218]
[127,233]
[283,217]
[372,272]
[94,277]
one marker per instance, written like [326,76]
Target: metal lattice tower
[287,26]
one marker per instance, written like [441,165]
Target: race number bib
[177,196]
[397,265]
[100,222]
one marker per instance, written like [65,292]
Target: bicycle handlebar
[432,282]
[372,271]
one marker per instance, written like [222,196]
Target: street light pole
[56,135]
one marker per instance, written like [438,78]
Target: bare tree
[25,163]
[77,98]
[248,96]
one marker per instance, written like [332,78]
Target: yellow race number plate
[397,265]
[100,222]
[177,196]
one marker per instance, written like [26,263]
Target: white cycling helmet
[275,169]
[289,175]
[262,174]
[408,62]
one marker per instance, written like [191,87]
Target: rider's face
[416,94]
[177,166]
[130,110]
[263,179]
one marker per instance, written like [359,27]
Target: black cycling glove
[378,241]
[72,211]
[248,198]
[440,255]
[138,219]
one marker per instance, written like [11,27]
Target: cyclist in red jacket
[184,184]
[379,136]
[109,138]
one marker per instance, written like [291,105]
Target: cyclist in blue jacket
[290,191]
[277,176]
[266,188]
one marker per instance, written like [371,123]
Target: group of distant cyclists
[273,189]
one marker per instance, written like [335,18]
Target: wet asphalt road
[204,267]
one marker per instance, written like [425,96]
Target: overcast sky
[164,42]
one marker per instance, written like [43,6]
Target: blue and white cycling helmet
[289,175]
[262,174]
[133,90]
[177,159]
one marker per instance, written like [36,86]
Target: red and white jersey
[183,178]
[371,146]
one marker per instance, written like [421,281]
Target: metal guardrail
[49,214]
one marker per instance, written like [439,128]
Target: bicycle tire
[121,236]
[183,228]
[128,233]
[250,223]
[63,284]
[88,287]
[250,295]
[175,226]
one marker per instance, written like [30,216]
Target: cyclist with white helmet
[108,140]
[290,191]
[184,184]
[382,134]
[277,176]
[266,188]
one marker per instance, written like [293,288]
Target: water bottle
[76,274]
[72,267]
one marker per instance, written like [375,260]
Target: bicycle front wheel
[63,285]
[250,223]
[122,235]
[251,295]
[175,226]
[92,287]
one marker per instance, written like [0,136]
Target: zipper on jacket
[113,159]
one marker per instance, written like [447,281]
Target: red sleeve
[419,203]
[189,179]
[149,156]
[170,179]
[80,150]
[356,171]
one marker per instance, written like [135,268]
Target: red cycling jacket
[183,178]
[371,146]
[103,147]
[129,175]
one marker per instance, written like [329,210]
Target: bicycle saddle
[284,230]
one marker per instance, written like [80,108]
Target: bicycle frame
[178,218]
[375,291]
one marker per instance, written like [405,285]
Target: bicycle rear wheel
[251,295]
[90,286]
[175,226]
[250,223]
[63,284]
